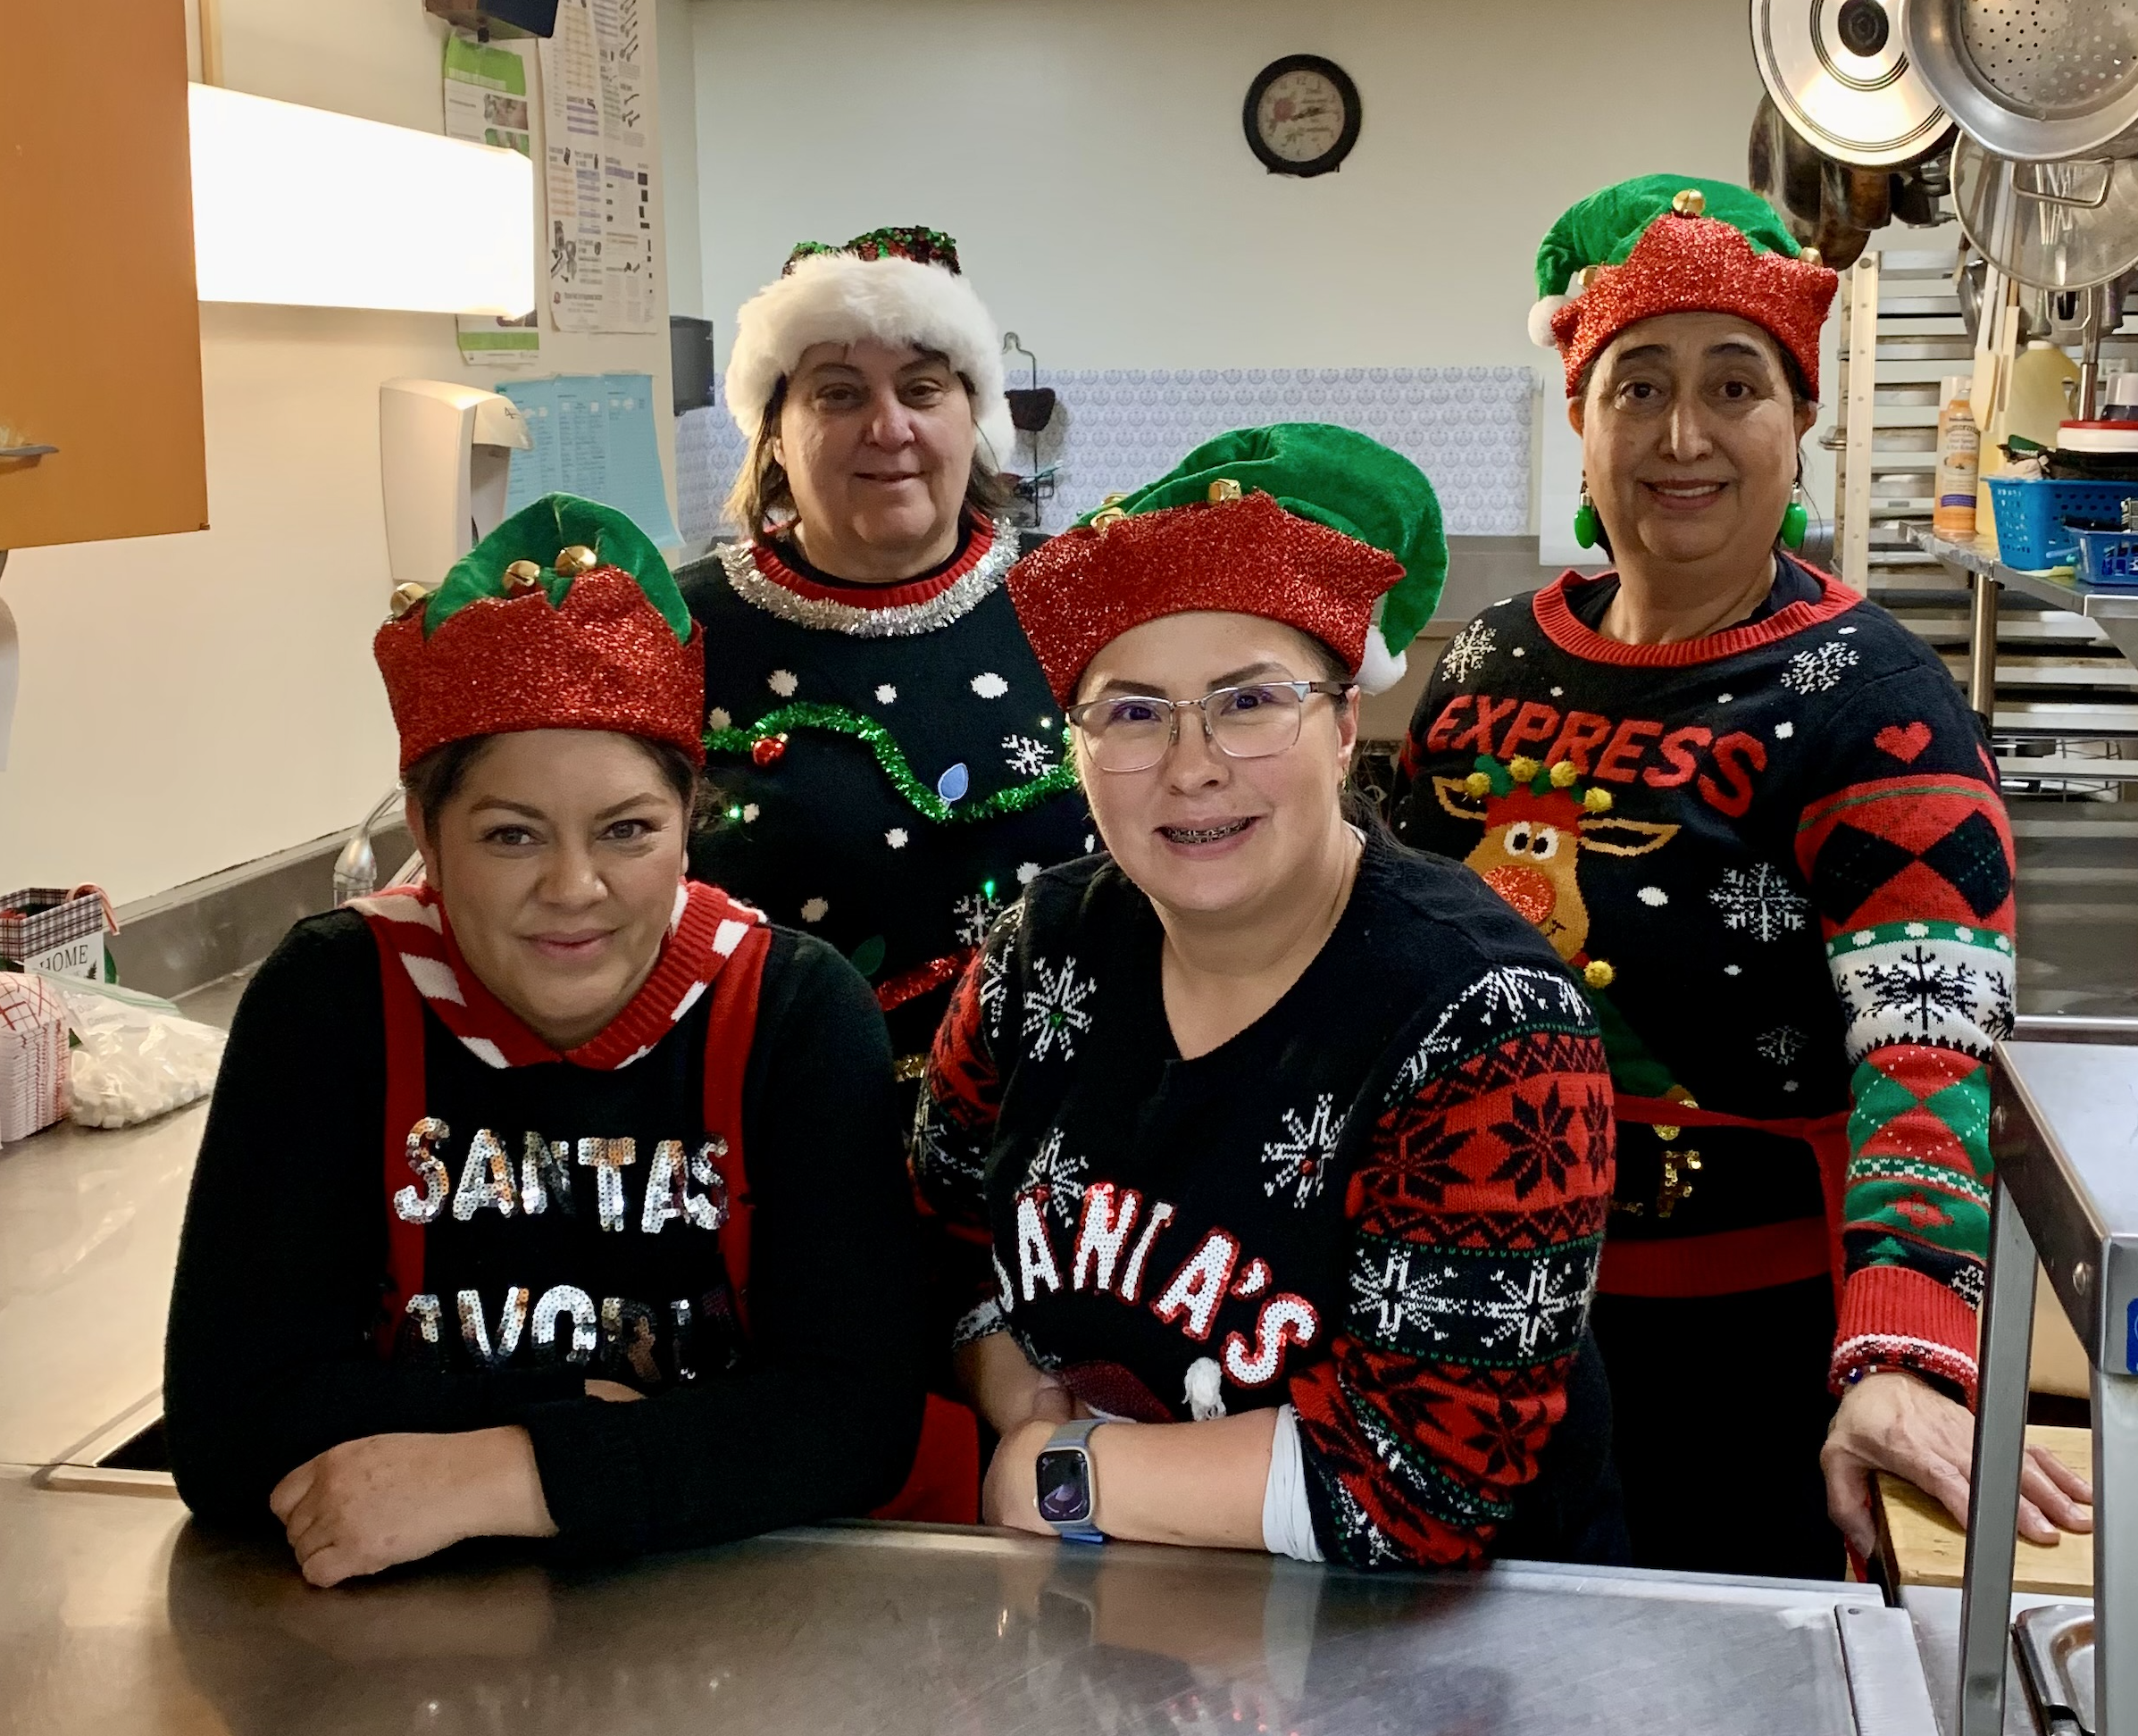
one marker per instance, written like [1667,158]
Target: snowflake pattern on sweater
[1816,947]
[1393,1227]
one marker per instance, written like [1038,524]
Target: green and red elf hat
[564,617]
[1313,525]
[1672,244]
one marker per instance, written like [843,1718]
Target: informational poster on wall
[487,104]
[593,435]
[598,170]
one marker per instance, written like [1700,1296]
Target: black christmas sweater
[539,1272]
[885,761]
[1381,1203]
[1780,857]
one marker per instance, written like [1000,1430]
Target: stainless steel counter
[117,1617]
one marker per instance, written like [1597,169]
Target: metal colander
[2033,79]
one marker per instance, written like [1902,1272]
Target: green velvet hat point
[538,533]
[1603,228]
[1335,477]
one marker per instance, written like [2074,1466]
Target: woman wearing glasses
[1258,1129]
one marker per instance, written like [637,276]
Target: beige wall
[189,703]
[1089,157]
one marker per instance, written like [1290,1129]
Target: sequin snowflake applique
[1027,756]
[1056,1181]
[1469,648]
[1055,1011]
[1819,669]
[1782,1044]
[1302,1159]
[1760,901]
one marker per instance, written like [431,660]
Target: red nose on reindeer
[1530,890]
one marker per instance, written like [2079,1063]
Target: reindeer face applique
[1537,823]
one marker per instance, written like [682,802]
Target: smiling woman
[886,760]
[637,1143]
[1259,1127]
[1753,811]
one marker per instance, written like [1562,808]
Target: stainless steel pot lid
[2033,79]
[2054,225]
[1838,72]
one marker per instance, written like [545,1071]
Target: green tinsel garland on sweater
[805,715]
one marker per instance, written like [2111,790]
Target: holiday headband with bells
[564,617]
[1313,525]
[1674,244]
[901,287]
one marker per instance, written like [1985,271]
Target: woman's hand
[1894,1422]
[368,1505]
[1011,1494]
[1006,1388]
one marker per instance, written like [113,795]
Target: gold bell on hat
[1107,517]
[1223,489]
[1690,202]
[574,560]
[406,600]
[1811,255]
[521,577]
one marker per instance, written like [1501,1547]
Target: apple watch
[1067,1490]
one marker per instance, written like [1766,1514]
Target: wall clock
[1301,115]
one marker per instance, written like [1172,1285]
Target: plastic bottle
[1959,462]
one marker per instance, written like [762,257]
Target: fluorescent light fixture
[299,206]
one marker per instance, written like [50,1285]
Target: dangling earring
[1795,519]
[1586,528]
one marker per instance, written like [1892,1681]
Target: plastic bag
[135,1056]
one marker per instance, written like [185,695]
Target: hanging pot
[1814,195]
[2034,81]
[2054,225]
[1838,72]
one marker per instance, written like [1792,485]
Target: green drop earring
[1795,519]
[1586,526]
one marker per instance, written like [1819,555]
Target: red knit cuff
[1895,1317]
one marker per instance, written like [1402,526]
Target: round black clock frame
[1331,160]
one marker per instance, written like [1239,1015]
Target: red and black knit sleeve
[1476,1219]
[1909,855]
[954,1126]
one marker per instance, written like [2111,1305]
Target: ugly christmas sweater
[1779,855]
[885,761]
[1381,1203]
[401,1223]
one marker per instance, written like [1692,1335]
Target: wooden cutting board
[1925,1545]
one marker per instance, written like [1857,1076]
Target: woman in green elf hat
[640,1271]
[1258,1131]
[887,760]
[1754,813]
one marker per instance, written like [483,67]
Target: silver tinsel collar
[903,620]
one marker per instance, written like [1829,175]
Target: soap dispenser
[445,454]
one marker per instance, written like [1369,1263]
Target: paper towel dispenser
[445,453]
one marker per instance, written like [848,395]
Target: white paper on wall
[571,124]
[486,102]
[627,257]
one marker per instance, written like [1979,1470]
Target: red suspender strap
[404,1109]
[730,1026]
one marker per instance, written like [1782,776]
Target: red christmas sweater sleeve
[1476,1218]
[952,1128]
[1909,855]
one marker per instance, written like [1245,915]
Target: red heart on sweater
[1904,742]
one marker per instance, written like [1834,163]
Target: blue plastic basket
[2108,557]
[2034,515]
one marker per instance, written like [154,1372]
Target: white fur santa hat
[899,285]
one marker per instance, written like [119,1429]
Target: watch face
[1300,115]
[1064,1487]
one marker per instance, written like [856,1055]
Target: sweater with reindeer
[1778,858]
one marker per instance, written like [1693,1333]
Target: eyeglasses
[1134,732]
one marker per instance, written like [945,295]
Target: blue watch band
[1071,1440]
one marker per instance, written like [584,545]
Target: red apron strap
[404,1108]
[730,1025]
